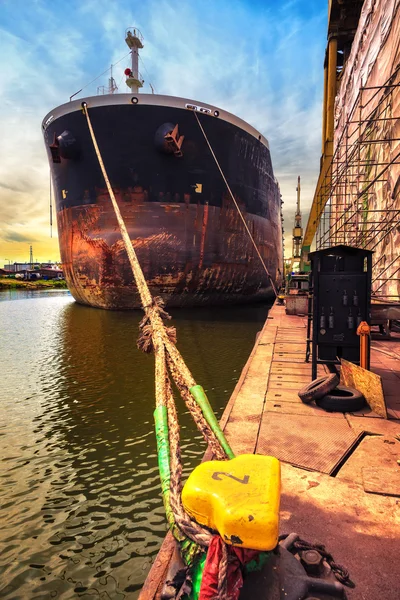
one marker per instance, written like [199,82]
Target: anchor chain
[339,571]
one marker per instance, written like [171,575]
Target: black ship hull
[187,233]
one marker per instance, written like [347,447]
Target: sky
[259,59]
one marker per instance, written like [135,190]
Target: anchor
[175,141]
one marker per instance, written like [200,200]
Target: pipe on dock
[331,88]
[324,108]
[364,331]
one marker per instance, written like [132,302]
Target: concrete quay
[324,457]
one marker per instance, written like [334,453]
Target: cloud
[260,61]
[9,187]
[40,61]
[14,236]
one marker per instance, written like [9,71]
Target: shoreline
[40,284]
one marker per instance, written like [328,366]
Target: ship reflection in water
[81,512]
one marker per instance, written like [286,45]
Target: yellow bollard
[239,498]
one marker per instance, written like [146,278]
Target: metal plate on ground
[267,335]
[290,347]
[289,336]
[309,442]
[289,375]
[291,340]
[381,481]
[300,378]
[298,408]
[306,367]
[290,357]
[298,332]
[280,395]
[377,452]
[374,424]
[296,384]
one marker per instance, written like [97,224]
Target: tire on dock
[342,399]
[318,388]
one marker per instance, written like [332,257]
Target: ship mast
[134,40]
[112,86]
[297,230]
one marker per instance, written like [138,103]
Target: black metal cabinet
[341,284]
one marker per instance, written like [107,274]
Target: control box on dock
[341,287]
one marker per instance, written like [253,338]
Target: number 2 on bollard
[217,476]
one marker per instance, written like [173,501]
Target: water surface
[81,513]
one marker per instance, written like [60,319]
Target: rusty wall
[365,201]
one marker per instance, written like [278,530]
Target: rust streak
[203,234]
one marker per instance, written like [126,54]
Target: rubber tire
[318,388]
[342,399]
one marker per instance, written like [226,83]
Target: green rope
[197,576]
[200,396]
[189,549]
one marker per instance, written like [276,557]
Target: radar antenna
[112,86]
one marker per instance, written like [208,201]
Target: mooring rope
[194,531]
[237,207]
[195,411]
[223,574]
[156,336]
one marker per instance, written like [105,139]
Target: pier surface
[324,458]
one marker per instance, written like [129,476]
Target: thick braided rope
[145,340]
[188,526]
[196,412]
[223,574]
[145,343]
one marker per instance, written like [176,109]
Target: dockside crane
[297,235]
[297,229]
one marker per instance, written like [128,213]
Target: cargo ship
[185,228]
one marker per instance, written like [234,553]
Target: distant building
[50,273]
[20,267]
[34,271]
